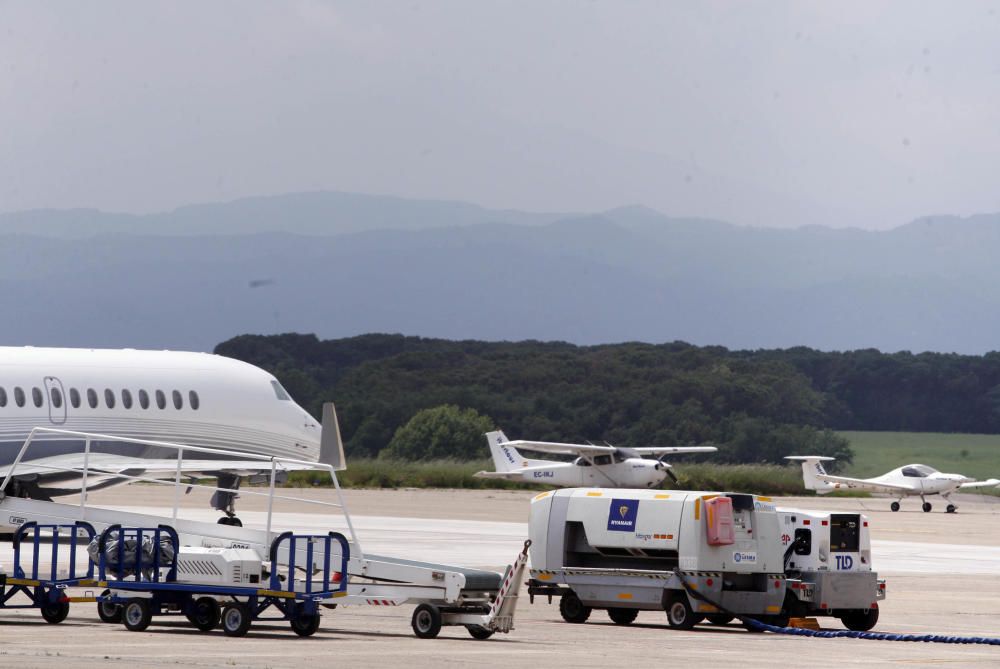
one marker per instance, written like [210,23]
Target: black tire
[55,612]
[426,621]
[894,506]
[305,625]
[927,507]
[136,614]
[951,508]
[236,619]
[623,616]
[860,621]
[720,619]
[680,615]
[232,521]
[479,632]
[108,612]
[572,609]
[205,614]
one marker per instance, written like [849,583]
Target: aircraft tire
[894,506]
[927,507]
[951,508]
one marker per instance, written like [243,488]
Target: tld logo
[844,562]
[621,515]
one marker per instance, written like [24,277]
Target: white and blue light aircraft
[594,466]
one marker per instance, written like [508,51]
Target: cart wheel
[305,625]
[204,614]
[719,619]
[55,612]
[860,621]
[136,615]
[572,609]
[680,616]
[236,619]
[426,621]
[107,611]
[479,632]
[623,616]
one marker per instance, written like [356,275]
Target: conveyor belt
[475,579]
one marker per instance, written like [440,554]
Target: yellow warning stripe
[23,581]
[81,599]
[276,593]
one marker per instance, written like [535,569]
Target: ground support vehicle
[691,554]
[146,583]
[482,601]
[46,585]
[828,562]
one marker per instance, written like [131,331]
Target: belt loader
[675,551]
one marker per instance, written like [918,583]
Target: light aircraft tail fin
[505,458]
[811,466]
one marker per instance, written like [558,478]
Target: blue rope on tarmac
[874,636]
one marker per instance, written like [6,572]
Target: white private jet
[601,466]
[906,481]
[196,399]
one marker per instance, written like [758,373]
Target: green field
[975,455]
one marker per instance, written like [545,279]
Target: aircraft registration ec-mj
[906,481]
[601,466]
[196,399]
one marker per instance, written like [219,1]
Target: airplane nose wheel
[894,506]
[927,507]
[951,508]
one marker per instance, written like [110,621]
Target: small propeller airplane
[906,481]
[601,466]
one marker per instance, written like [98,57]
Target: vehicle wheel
[894,506]
[572,609]
[426,621]
[479,632]
[108,612]
[236,619]
[720,619]
[305,625]
[230,520]
[860,621]
[927,507]
[951,508]
[136,615]
[205,613]
[623,616]
[55,612]
[679,613]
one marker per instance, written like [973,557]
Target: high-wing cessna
[907,481]
[602,466]
[195,399]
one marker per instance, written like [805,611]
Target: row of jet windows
[110,399]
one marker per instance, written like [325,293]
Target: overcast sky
[861,113]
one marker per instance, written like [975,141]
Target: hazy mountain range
[339,264]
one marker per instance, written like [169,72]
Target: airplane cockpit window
[918,471]
[193,400]
[37,397]
[19,396]
[582,462]
[74,398]
[56,398]
[178,400]
[109,398]
[3,397]
[143,399]
[280,392]
[161,400]
[126,398]
[602,460]
[92,398]
[618,456]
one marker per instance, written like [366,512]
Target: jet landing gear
[926,505]
[894,506]
[225,500]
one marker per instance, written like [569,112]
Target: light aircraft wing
[663,450]
[981,484]
[862,484]
[560,449]
[508,476]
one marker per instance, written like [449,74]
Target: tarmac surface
[941,570]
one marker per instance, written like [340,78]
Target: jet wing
[863,484]
[663,450]
[981,484]
[560,449]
